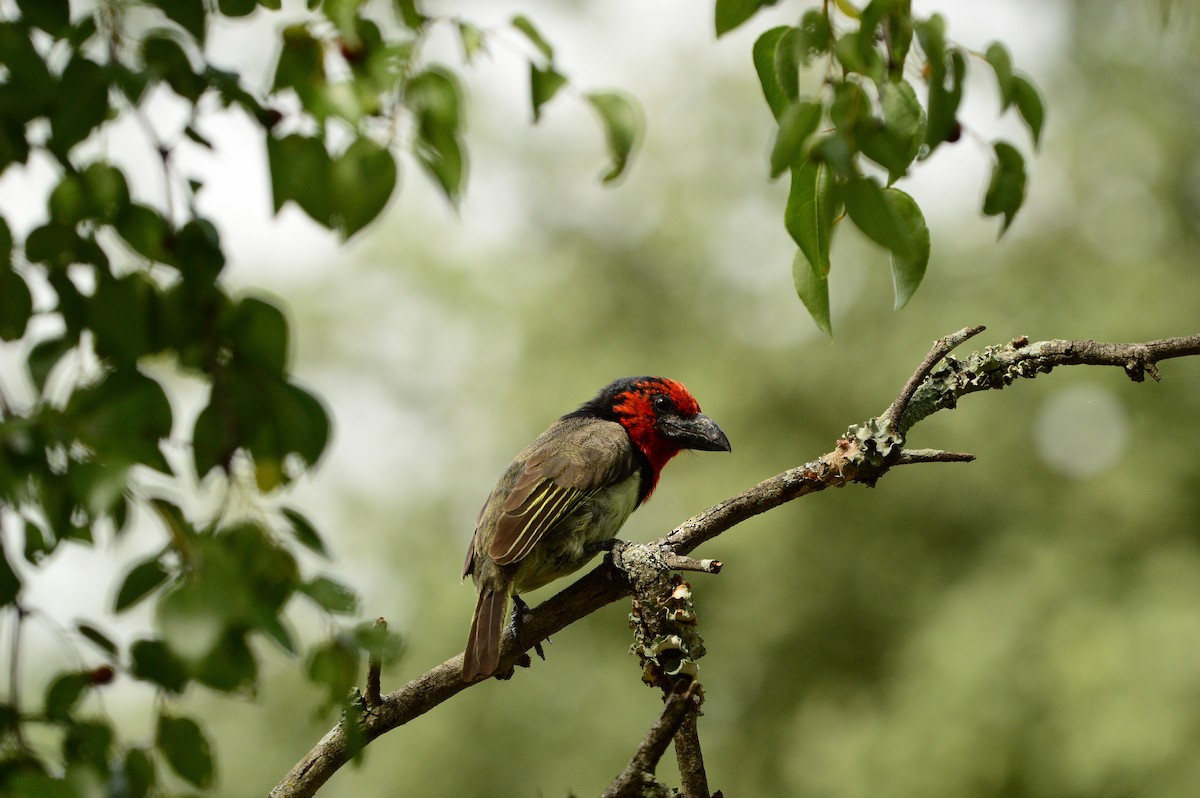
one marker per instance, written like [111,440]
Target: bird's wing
[568,464]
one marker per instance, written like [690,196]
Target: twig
[374,665]
[912,456]
[690,759]
[630,782]
[677,562]
[994,368]
[941,348]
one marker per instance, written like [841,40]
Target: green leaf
[623,125]
[410,14]
[166,61]
[850,110]
[172,518]
[55,244]
[6,244]
[362,180]
[813,289]
[98,639]
[62,695]
[188,14]
[121,317]
[258,334]
[895,144]
[787,64]
[543,85]
[186,749]
[331,595]
[106,191]
[230,665]
[10,583]
[52,16]
[142,580]
[198,247]
[301,67]
[153,661]
[811,209]
[816,35]
[472,40]
[997,55]
[16,305]
[943,125]
[898,35]
[379,642]
[269,571]
[931,33]
[88,743]
[301,63]
[138,774]
[80,110]
[869,209]
[237,8]
[907,273]
[212,446]
[1029,105]
[764,64]
[301,171]
[273,627]
[526,26]
[732,13]
[856,55]
[146,231]
[29,89]
[72,305]
[434,98]
[305,533]
[67,204]
[334,665]
[255,410]
[37,545]
[799,122]
[303,423]
[1006,189]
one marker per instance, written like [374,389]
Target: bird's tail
[483,645]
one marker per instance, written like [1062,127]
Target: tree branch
[851,461]
[678,706]
[941,347]
[688,756]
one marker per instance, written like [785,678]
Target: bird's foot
[611,544]
[520,616]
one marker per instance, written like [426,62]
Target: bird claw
[611,544]
[520,616]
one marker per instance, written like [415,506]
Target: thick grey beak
[698,432]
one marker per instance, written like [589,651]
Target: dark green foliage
[623,126]
[878,122]
[1006,189]
[140,582]
[186,749]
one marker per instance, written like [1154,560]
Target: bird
[567,494]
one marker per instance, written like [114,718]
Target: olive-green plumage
[573,487]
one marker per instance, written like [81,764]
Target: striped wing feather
[563,468]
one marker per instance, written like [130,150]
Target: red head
[662,419]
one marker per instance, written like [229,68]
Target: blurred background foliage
[1028,624]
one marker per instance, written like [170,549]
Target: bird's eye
[662,404]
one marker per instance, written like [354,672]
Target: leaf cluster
[890,88]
